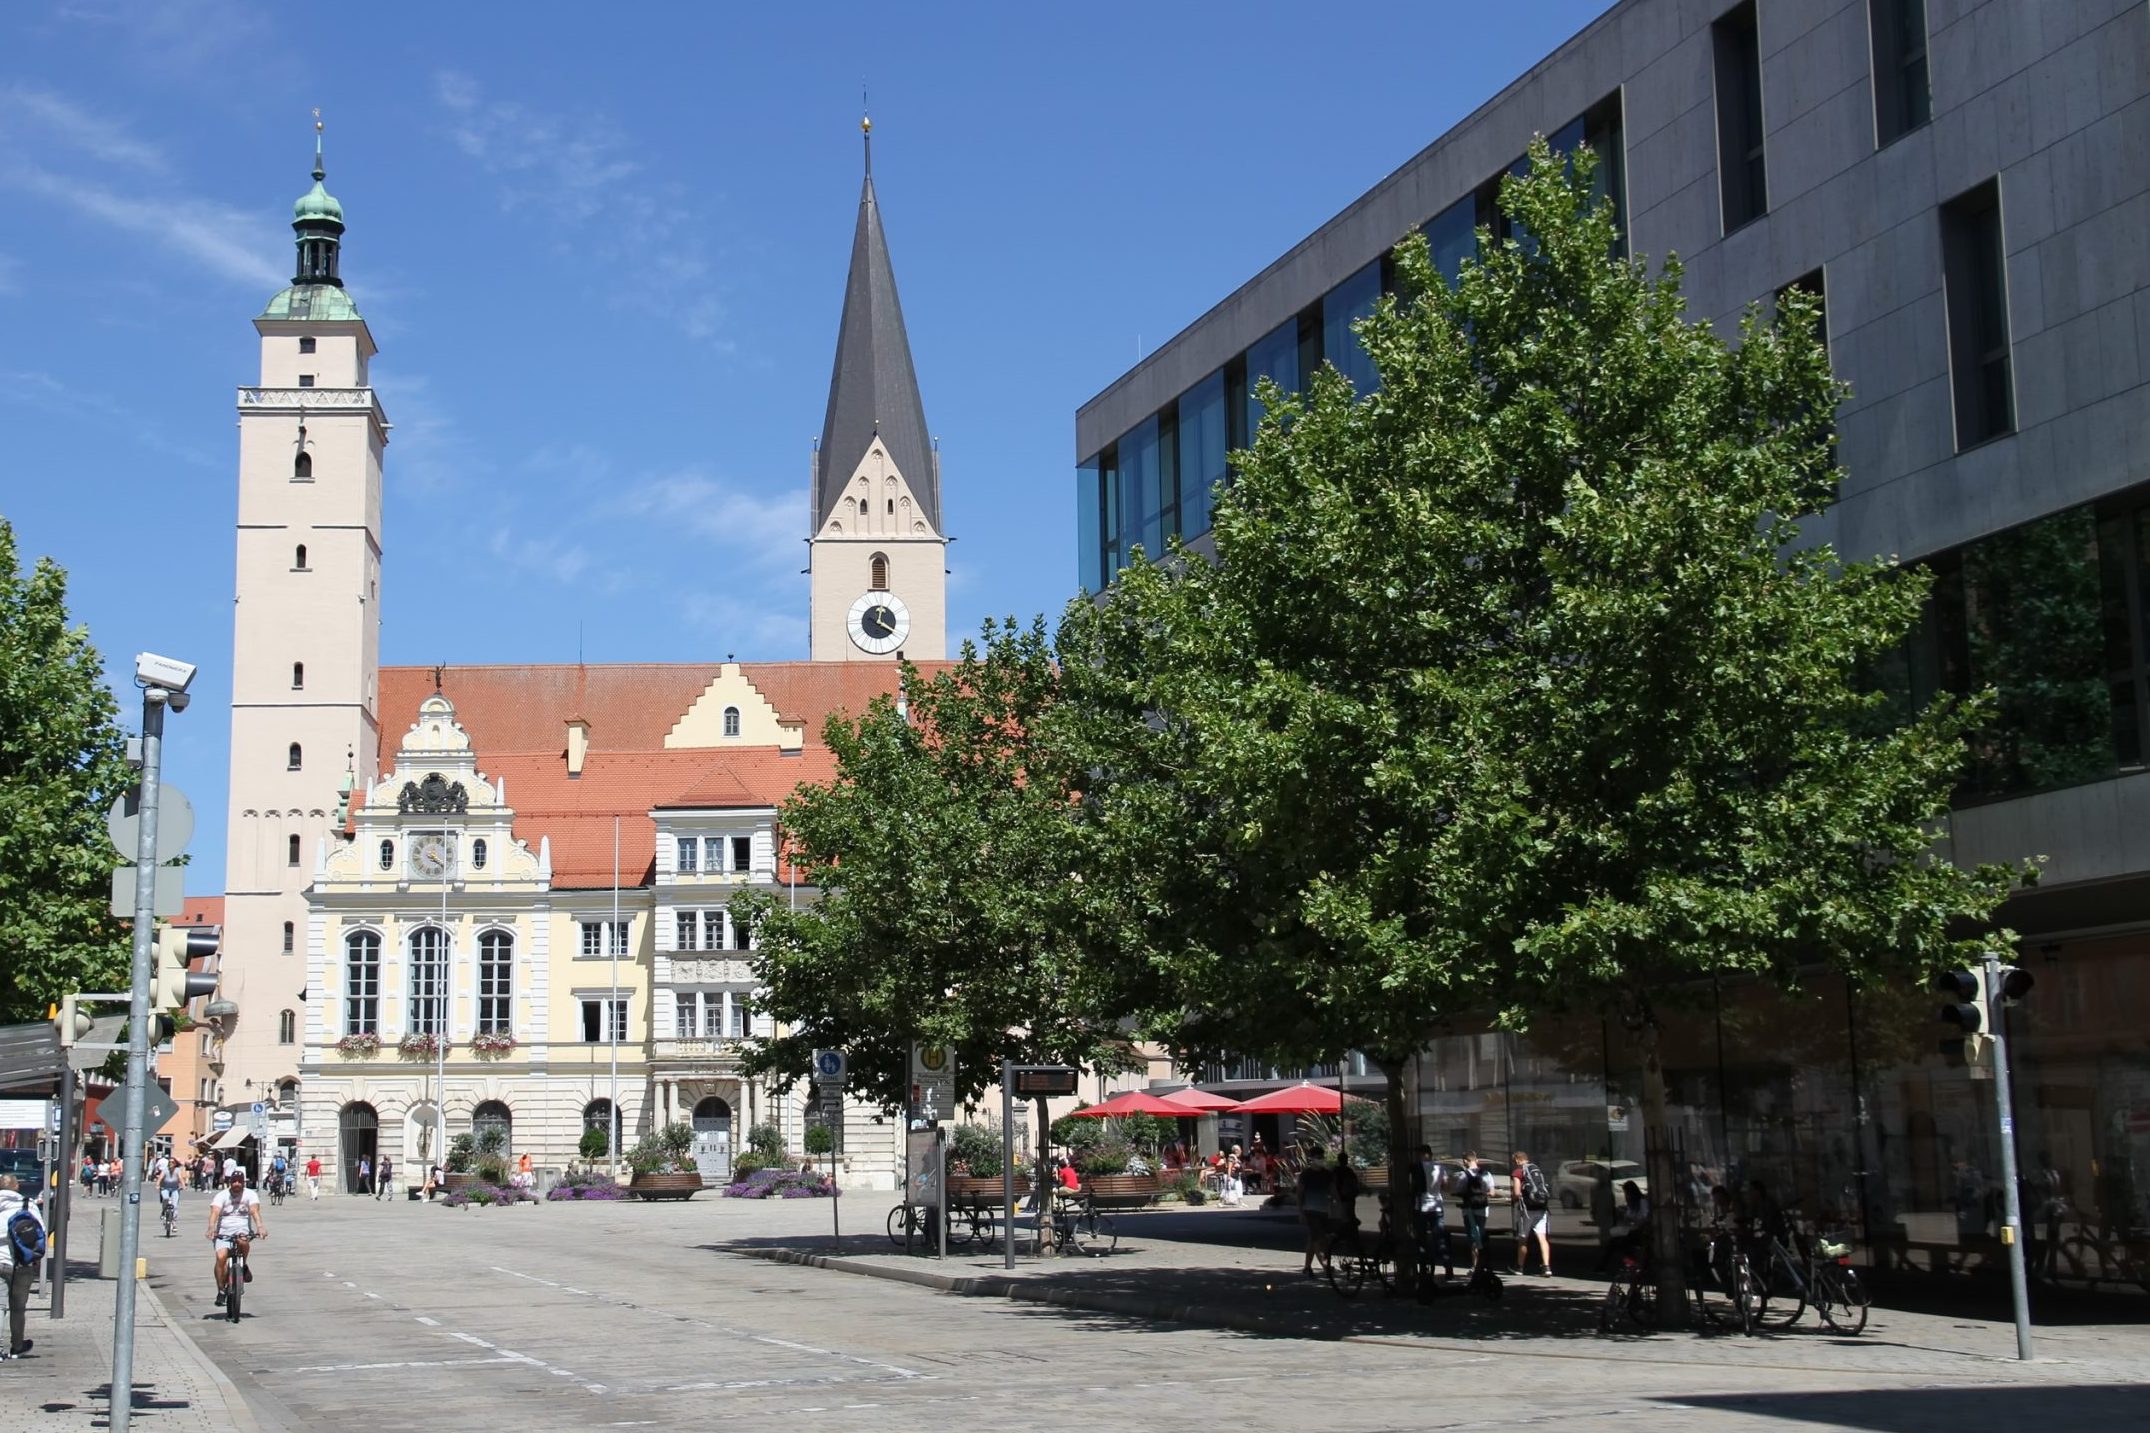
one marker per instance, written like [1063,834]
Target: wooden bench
[1123,1191]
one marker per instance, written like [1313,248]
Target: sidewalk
[67,1375]
[1240,1269]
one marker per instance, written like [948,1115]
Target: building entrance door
[713,1140]
[360,1127]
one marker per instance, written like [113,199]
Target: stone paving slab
[66,1378]
[1241,1269]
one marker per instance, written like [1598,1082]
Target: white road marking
[429,1323]
[410,1363]
[373,1296]
[526,1359]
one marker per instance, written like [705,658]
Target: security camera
[169,673]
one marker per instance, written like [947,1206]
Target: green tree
[62,760]
[1514,686]
[950,910]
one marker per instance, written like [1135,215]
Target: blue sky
[602,250]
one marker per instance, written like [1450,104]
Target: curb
[237,1409]
[988,1286]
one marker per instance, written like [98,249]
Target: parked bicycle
[2104,1258]
[915,1223]
[1080,1227]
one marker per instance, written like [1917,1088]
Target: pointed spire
[320,170]
[317,219]
[873,389]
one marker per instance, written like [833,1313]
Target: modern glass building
[1966,185]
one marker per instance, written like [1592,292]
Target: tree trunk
[1403,1209]
[1042,1185]
[1665,1252]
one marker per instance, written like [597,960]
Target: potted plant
[462,1153]
[422,1047]
[662,1167]
[492,1045]
[491,1161]
[360,1045]
[596,1143]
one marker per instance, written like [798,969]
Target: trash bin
[108,1242]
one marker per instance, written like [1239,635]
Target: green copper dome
[316,204]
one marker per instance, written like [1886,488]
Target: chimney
[578,745]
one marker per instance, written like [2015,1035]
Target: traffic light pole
[121,1394]
[2004,1106]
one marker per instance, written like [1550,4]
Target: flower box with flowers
[362,1046]
[421,1047]
[487,1045]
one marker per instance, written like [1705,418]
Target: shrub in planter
[586,1184]
[976,1148]
[484,1195]
[462,1152]
[664,1152]
[595,1144]
[820,1141]
[1105,1157]
[767,1141]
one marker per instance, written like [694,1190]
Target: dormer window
[731,721]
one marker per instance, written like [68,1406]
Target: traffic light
[1965,1014]
[73,1021]
[2011,984]
[178,947]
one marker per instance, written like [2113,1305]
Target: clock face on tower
[879,623]
[431,857]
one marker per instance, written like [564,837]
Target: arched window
[291,851]
[496,981]
[597,1114]
[302,467]
[862,507]
[491,1122]
[362,983]
[298,558]
[388,855]
[731,721]
[292,761]
[287,1026]
[477,854]
[291,936]
[891,507]
[298,676]
[428,981]
[878,569]
[358,1129]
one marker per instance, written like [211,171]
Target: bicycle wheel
[1841,1299]
[234,1283]
[1781,1297]
[1100,1232]
[1744,1292]
[1345,1274]
[898,1218]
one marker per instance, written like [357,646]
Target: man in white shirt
[16,1276]
[234,1216]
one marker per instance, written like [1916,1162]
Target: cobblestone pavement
[394,1316]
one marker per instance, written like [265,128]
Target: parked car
[1578,1179]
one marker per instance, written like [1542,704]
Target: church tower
[877,555]
[306,639]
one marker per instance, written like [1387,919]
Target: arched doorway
[713,1140]
[597,1115]
[420,1134]
[489,1116]
[359,1129]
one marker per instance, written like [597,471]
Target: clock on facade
[879,623]
[432,856]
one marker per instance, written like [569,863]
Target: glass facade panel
[1089,535]
[1345,305]
[1277,357]
[1452,236]
[1201,452]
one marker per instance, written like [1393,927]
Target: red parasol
[1200,1102]
[1133,1102]
[1300,1099]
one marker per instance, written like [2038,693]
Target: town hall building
[504,890]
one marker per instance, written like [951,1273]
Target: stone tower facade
[306,639]
[878,554]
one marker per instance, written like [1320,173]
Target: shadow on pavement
[1920,1410]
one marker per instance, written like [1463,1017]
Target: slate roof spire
[873,389]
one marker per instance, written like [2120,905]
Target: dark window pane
[1903,99]
[1139,480]
[1742,172]
[1089,549]
[1452,237]
[1977,285]
[1345,305]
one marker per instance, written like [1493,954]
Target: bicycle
[1838,1294]
[170,1202]
[1350,1262]
[2113,1258]
[1723,1283]
[1080,1228]
[1782,1283]
[276,1188]
[1633,1294]
[235,1275]
[915,1221]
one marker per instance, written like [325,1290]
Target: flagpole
[440,1036]
[612,997]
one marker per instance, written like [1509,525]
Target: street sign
[171,891]
[831,1067]
[933,1082]
[175,823]
[157,1109]
[259,1109]
[221,1121]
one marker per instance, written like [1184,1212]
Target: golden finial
[866,127]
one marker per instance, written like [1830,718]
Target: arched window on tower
[302,467]
[291,851]
[294,759]
[287,1027]
[388,855]
[298,676]
[731,721]
[298,558]
[477,854]
[891,507]
[878,569]
[291,936]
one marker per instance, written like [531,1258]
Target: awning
[232,1138]
[30,1056]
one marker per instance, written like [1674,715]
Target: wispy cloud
[32,389]
[429,451]
[757,530]
[754,631]
[646,232]
[60,152]
[184,39]
[548,557]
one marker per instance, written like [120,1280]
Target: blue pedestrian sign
[830,1066]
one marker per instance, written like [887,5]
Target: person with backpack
[1429,1185]
[22,1245]
[1474,1192]
[1533,1200]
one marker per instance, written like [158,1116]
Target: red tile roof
[517,719]
[201,910]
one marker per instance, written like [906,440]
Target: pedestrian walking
[313,1177]
[1429,1186]
[365,1175]
[384,1180]
[1474,1191]
[22,1245]
[1315,1188]
[1532,1199]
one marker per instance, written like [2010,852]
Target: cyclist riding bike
[168,1193]
[280,1170]
[235,1217]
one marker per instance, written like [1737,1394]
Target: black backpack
[1535,1194]
[25,1237]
